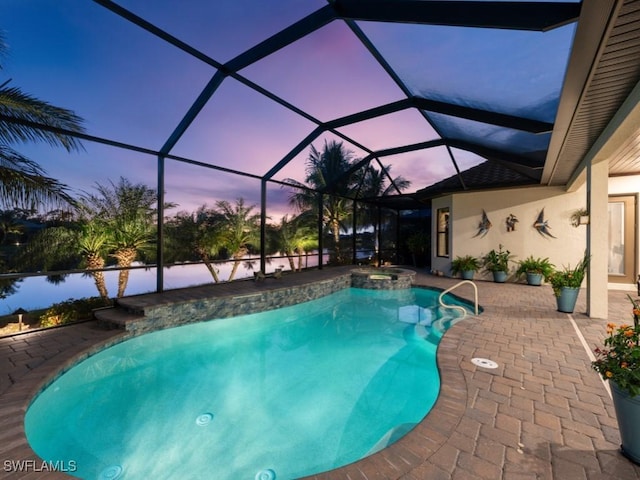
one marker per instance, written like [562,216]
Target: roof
[483,176]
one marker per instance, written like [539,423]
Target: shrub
[541,266]
[568,277]
[467,263]
[497,260]
[71,311]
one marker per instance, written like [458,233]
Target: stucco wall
[525,203]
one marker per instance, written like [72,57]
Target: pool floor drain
[484,363]
[266,474]
[204,419]
[110,473]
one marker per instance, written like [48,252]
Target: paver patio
[542,414]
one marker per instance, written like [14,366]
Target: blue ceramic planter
[467,274]
[567,299]
[534,279]
[628,415]
[500,277]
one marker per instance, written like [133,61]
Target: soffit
[613,76]
[626,161]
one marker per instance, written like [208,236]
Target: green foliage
[467,263]
[568,277]
[577,215]
[23,182]
[419,242]
[497,260]
[531,264]
[71,311]
[619,360]
[332,171]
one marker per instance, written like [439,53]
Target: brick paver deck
[542,414]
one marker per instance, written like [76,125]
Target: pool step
[114,317]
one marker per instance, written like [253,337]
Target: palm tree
[93,243]
[239,229]
[196,233]
[294,238]
[376,183]
[130,238]
[126,212]
[23,181]
[117,222]
[327,171]
[285,239]
[80,243]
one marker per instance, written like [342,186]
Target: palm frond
[23,183]
[21,107]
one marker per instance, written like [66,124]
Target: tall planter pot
[567,299]
[628,415]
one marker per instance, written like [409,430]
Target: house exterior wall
[566,249]
[525,204]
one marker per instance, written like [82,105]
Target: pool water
[276,395]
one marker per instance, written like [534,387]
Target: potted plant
[535,269]
[497,262]
[466,266]
[566,284]
[619,362]
[580,217]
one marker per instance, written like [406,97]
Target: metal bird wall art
[542,225]
[484,225]
[511,222]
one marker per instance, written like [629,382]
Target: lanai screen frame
[536,16]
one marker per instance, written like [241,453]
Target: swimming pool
[280,394]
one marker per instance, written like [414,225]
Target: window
[442,243]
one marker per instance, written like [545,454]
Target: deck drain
[204,419]
[110,473]
[266,474]
[484,363]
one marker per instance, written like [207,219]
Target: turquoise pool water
[276,395]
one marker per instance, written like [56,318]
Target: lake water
[37,292]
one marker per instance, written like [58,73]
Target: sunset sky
[132,87]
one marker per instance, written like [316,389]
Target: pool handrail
[444,292]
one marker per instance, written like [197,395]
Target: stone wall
[382,278]
[182,313]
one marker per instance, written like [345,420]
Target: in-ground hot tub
[384,278]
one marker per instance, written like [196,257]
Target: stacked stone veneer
[382,278]
[158,317]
